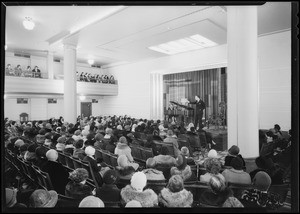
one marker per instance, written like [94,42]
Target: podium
[184,115]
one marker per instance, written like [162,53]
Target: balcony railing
[16,85]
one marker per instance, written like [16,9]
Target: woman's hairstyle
[217,184]
[212,165]
[79,175]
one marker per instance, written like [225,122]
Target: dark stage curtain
[205,83]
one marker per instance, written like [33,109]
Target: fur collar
[208,197]
[185,174]
[125,170]
[147,198]
[122,145]
[183,198]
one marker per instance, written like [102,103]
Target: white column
[70,84]
[242,105]
[156,96]
[50,65]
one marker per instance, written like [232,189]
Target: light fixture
[91,61]
[82,98]
[28,23]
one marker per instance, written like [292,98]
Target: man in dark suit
[200,106]
[58,174]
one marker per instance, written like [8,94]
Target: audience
[172,139]
[53,168]
[174,195]
[125,169]
[151,173]
[183,169]
[109,192]
[91,201]
[259,195]
[232,153]
[213,168]
[236,174]
[219,195]
[41,198]
[78,151]
[135,191]
[77,187]
[95,167]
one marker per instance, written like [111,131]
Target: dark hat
[41,151]
[237,163]
[110,177]
[234,150]
[276,126]
[43,198]
[164,150]
[62,140]
[42,132]
[175,183]
[24,147]
[262,181]
[48,135]
[181,162]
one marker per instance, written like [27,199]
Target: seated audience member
[213,168]
[18,143]
[99,144]
[30,154]
[9,70]
[36,72]
[23,150]
[151,173]
[69,148]
[219,195]
[171,139]
[232,153]
[40,137]
[236,174]
[184,151]
[259,196]
[11,199]
[53,168]
[193,136]
[183,169]
[41,198]
[267,165]
[54,141]
[91,201]
[122,148]
[41,156]
[77,187]
[174,195]
[109,192]
[133,204]
[78,151]
[77,135]
[124,169]
[164,158]
[135,191]
[268,148]
[28,72]
[90,152]
[61,143]
[277,131]
[18,71]
[111,146]
[48,139]
[108,135]
[162,131]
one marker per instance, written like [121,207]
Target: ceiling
[113,35]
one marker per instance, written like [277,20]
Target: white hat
[133,203]
[52,155]
[89,150]
[138,181]
[91,201]
[212,154]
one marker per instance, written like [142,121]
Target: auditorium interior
[124,81]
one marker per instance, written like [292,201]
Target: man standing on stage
[200,106]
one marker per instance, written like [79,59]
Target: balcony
[23,85]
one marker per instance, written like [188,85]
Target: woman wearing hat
[259,195]
[135,191]
[41,198]
[174,195]
[213,168]
[232,153]
[236,174]
[77,187]
[183,169]
[218,195]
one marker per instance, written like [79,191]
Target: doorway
[86,109]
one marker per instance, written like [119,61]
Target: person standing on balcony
[36,72]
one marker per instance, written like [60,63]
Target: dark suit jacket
[58,175]
[200,106]
[108,192]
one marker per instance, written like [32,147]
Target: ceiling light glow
[183,45]
[28,23]
[91,61]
